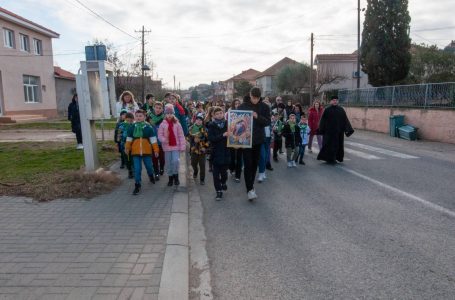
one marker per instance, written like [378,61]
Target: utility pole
[174,83]
[311,70]
[143,31]
[179,86]
[358,44]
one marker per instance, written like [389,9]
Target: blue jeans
[137,160]
[265,154]
[301,152]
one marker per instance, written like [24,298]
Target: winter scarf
[138,129]
[196,129]
[154,119]
[172,138]
[180,108]
[292,125]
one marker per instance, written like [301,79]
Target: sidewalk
[110,247]
[37,135]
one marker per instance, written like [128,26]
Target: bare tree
[326,75]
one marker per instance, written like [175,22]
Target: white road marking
[361,154]
[402,193]
[316,152]
[381,150]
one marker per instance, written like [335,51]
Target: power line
[103,19]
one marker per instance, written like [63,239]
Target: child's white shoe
[261,177]
[289,164]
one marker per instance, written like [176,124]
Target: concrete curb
[175,276]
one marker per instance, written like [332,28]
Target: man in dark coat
[74,117]
[333,125]
[261,119]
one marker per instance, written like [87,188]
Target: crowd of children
[154,134]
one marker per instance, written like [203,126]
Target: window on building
[25,44]
[31,89]
[38,47]
[8,37]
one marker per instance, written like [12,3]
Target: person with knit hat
[142,144]
[179,110]
[172,138]
[199,144]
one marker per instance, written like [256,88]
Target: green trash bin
[408,132]
[395,122]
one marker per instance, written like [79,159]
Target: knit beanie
[169,109]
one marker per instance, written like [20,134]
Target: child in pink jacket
[172,138]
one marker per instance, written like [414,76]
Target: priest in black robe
[334,124]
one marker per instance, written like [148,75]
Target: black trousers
[277,144]
[250,165]
[78,133]
[219,176]
[236,162]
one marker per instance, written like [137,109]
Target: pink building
[27,83]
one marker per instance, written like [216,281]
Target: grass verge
[51,170]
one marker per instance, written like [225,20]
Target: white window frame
[25,42]
[32,93]
[8,40]
[38,47]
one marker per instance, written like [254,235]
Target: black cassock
[334,124]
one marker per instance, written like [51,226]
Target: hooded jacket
[259,123]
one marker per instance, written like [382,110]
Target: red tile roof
[276,68]
[60,73]
[248,75]
[50,32]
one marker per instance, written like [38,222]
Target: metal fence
[432,95]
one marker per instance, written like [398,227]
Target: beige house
[27,83]
[338,71]
[266,80]
[248,75]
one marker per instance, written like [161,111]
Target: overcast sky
[200,41]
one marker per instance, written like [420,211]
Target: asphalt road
[379,226]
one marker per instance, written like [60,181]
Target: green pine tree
[384,53]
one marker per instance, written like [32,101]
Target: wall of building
[433,124]
[15,63]
[346,69]
[265,83]
[65,90]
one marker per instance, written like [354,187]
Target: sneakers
[269,167]
[171,181]
[157,177]
[152,179]
[224,187]
[290,164]
[79,147]
[261,177]
[219,196]
[161,172]
[137,188]
[237,180]
[294,164]
[252,195]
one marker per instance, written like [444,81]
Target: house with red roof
[27,82]
[248,75]
[266,79]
